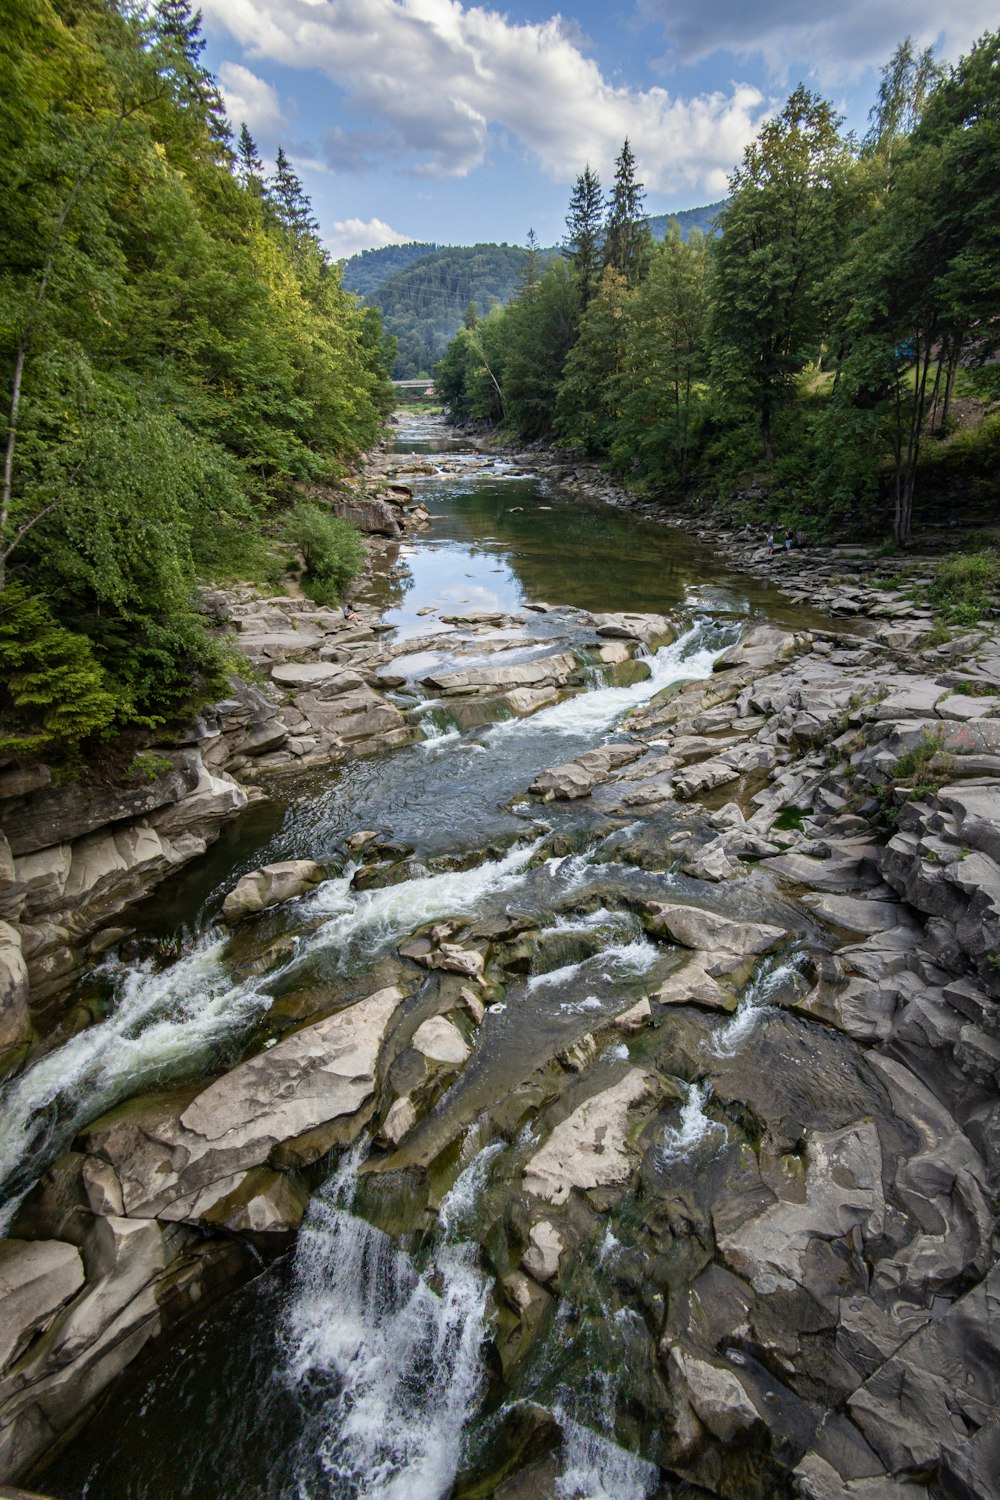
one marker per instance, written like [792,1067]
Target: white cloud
[431,78]
[249,98]
[834,44]
[351,236]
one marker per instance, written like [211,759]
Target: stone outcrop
[271,886]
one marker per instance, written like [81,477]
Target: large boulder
[693,927]
[15,1023]
[178,1158]
[36,1278]
[270,886]
[56,815]
[578,777]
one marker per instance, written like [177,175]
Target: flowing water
[361,1365]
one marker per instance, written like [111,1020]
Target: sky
[441,121]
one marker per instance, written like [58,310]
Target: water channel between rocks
[371,1359]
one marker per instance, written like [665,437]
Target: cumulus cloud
[351,236]
[251,99]
[833,44]
[431,79]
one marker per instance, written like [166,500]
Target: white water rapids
[166,1022]
[388,1358]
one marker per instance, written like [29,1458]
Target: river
[371,1360]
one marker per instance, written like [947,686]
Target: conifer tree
[290,200]
[583,233]
[178,36]
[627,240]
[249,167]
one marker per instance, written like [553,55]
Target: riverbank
[686,1072]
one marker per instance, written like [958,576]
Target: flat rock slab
[855,914]
[178,1165]
[577,777]
[588,1149]
[36,1278]
[693,927]
[948,1370]
[312,676]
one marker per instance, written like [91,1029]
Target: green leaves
[173,357]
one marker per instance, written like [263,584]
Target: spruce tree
[627,240]
[583,233]
[290,201]
[249,167]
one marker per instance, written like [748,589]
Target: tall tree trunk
[765,431]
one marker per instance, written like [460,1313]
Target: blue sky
[438,120]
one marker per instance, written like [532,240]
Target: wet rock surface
[746,1146]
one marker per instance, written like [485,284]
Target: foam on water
[389,1366]
[459,1202]
[376,917]
[619,961]
[595,1468]
[164,1022]
[772,976]
[692,1129]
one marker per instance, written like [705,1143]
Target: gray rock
[15,1022]
[57,815]
[577,777]
[589,1149]
[440,1041]
[37,1277]
[178,1160]
[695,928]
[270,886]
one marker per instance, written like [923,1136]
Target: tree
[919,287]
[291,204]
[179,44]
[583,233]
[587,403]
[666,361]
[908,79]
[249,167]
[541,329]
[627,240]
[779,239]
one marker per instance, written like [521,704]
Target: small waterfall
[386,1360]
[459,1202]
[642,652]
[593,1466]
[587,714]
[166,1023]
[772,976]
[693,1127]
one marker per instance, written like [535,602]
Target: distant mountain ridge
[422,289]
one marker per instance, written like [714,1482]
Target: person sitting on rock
[350,613]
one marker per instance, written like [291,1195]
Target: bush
[332,550]
[965,584]
[52,689]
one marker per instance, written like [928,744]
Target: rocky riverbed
[682,1100]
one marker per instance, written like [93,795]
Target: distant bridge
[415,392]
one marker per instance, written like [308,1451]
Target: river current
[363,1363]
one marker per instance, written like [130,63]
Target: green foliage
[332,550]
[365,272]
[965,586]
[52,689]
[424,303]
[175,350]
[807,350]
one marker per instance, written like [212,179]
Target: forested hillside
[815,351]
[687,220]
[424,304]
[364,272]
[176,352]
